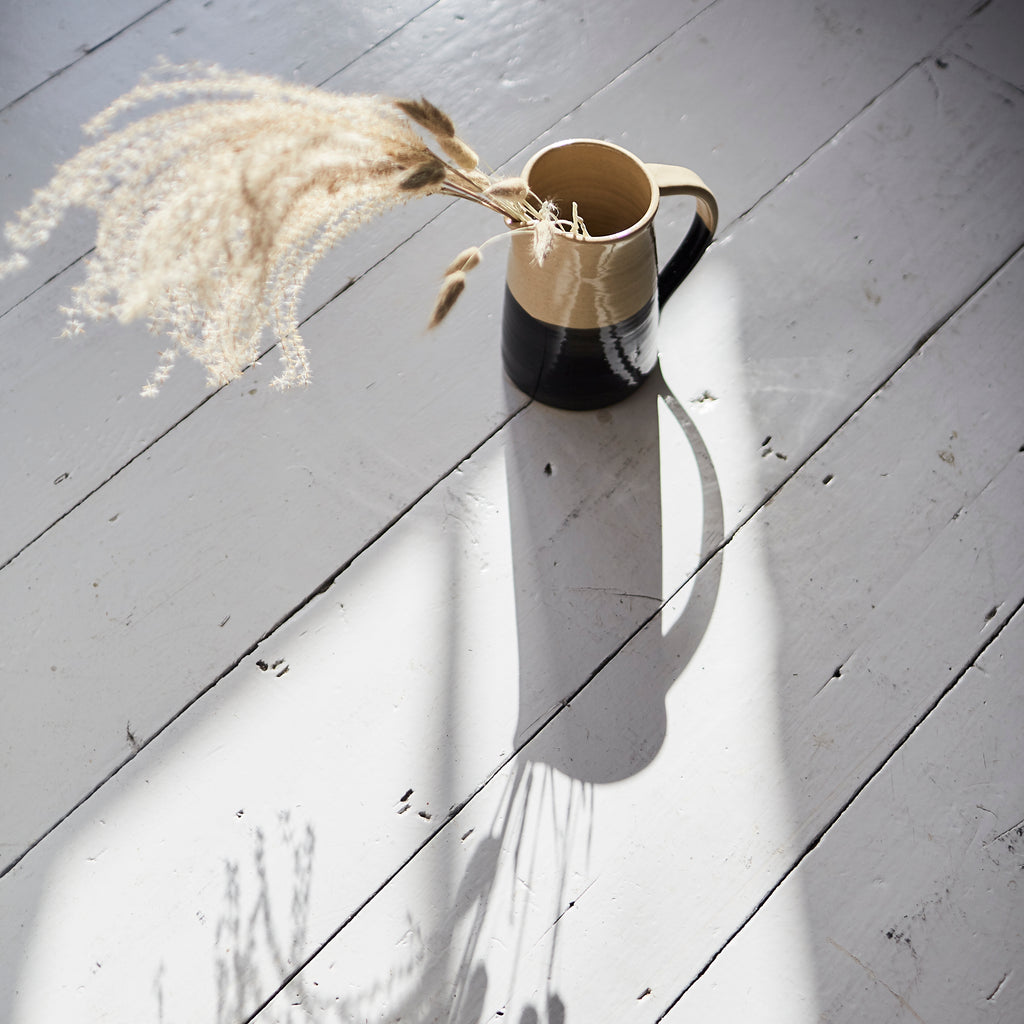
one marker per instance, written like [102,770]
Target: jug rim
[638,225]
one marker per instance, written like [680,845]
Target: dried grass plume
[212,211]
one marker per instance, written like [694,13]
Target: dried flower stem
[212,214]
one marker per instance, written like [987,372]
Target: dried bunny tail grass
[509,190]
[454,284]
[457,150]
[476,178]
[429,173]
[426,115]
[466,260]
[440,125]
[455,274]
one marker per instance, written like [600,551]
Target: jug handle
[680,181]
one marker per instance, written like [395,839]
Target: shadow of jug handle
[680,181]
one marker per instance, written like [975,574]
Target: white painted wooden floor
[403,699]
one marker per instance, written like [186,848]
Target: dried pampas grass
[212,213]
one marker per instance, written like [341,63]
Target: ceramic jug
[578,330]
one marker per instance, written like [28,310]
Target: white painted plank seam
[213,394]
[380,42]
[138,746]
[86,52]
[454,811]
[869,777]
[950,48]
[839,131]
[90,50]
[103,483]
[981,69]
[770,496]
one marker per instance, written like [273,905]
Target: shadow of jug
[587,528]
[585,491]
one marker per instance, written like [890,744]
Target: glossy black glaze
[683,260]
[575,368]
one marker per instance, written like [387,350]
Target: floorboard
[404,698]
[926,860]
[991,38]
[43,38]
